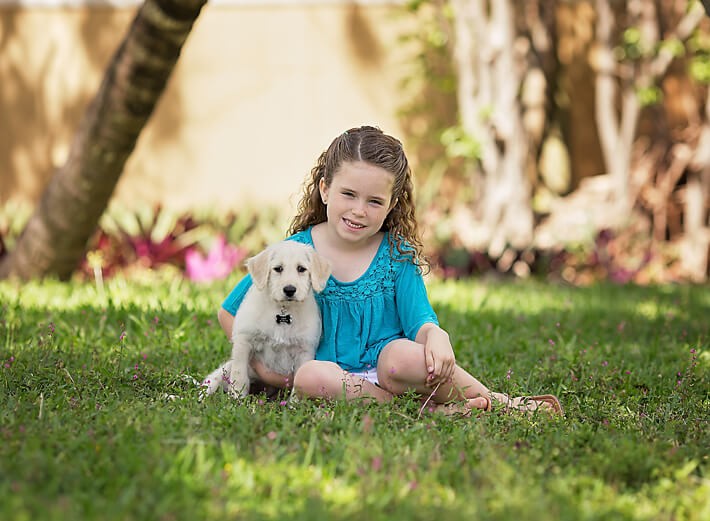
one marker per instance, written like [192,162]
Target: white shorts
[370,375]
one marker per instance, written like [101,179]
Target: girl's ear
[258,267]
[323,189]
[320,271]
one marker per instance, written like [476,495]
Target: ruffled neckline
[370,268]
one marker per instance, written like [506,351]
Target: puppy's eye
[301,269]
[278,269]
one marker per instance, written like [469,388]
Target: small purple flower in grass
[283,402]
[376,463]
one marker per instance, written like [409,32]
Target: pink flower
[376,463]
[219,262]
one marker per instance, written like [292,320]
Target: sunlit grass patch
[100,416]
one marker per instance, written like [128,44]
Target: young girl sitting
[381,336]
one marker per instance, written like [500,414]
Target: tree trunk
[695,246]
[490,76]
[54,240]
[618,108]
[617,128]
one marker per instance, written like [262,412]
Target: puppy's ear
[258,267]
[320,271]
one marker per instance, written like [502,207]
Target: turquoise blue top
[389,301]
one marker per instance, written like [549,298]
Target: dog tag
[286,319]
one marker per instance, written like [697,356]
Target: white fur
[284,277]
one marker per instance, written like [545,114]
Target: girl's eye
[301,269]
[376,202]
[278,269]
[348,194]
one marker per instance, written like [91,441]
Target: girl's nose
[358,208]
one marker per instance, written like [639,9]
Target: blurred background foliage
[564,139]
[594,83]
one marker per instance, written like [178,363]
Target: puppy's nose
[289,291]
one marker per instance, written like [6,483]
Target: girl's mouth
[352,225]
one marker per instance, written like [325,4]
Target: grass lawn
[98,422]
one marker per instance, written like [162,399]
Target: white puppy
[278,322]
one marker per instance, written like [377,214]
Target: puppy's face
[288,270]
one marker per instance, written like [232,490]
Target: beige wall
[258,93]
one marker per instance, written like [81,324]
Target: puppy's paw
[238,390]
[211,384]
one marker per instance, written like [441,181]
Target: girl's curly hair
[372,146]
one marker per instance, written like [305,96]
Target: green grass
[88,429]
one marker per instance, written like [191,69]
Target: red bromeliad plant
[202,247]
[148,239]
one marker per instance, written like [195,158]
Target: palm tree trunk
[55,237]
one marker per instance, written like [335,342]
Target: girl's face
[358,200]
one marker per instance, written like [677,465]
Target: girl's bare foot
[465,408]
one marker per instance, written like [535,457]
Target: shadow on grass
[89,424]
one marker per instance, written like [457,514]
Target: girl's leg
[402,367]
[318,379]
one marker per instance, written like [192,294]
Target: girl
[381,336]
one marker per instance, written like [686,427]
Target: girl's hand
[439,356]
